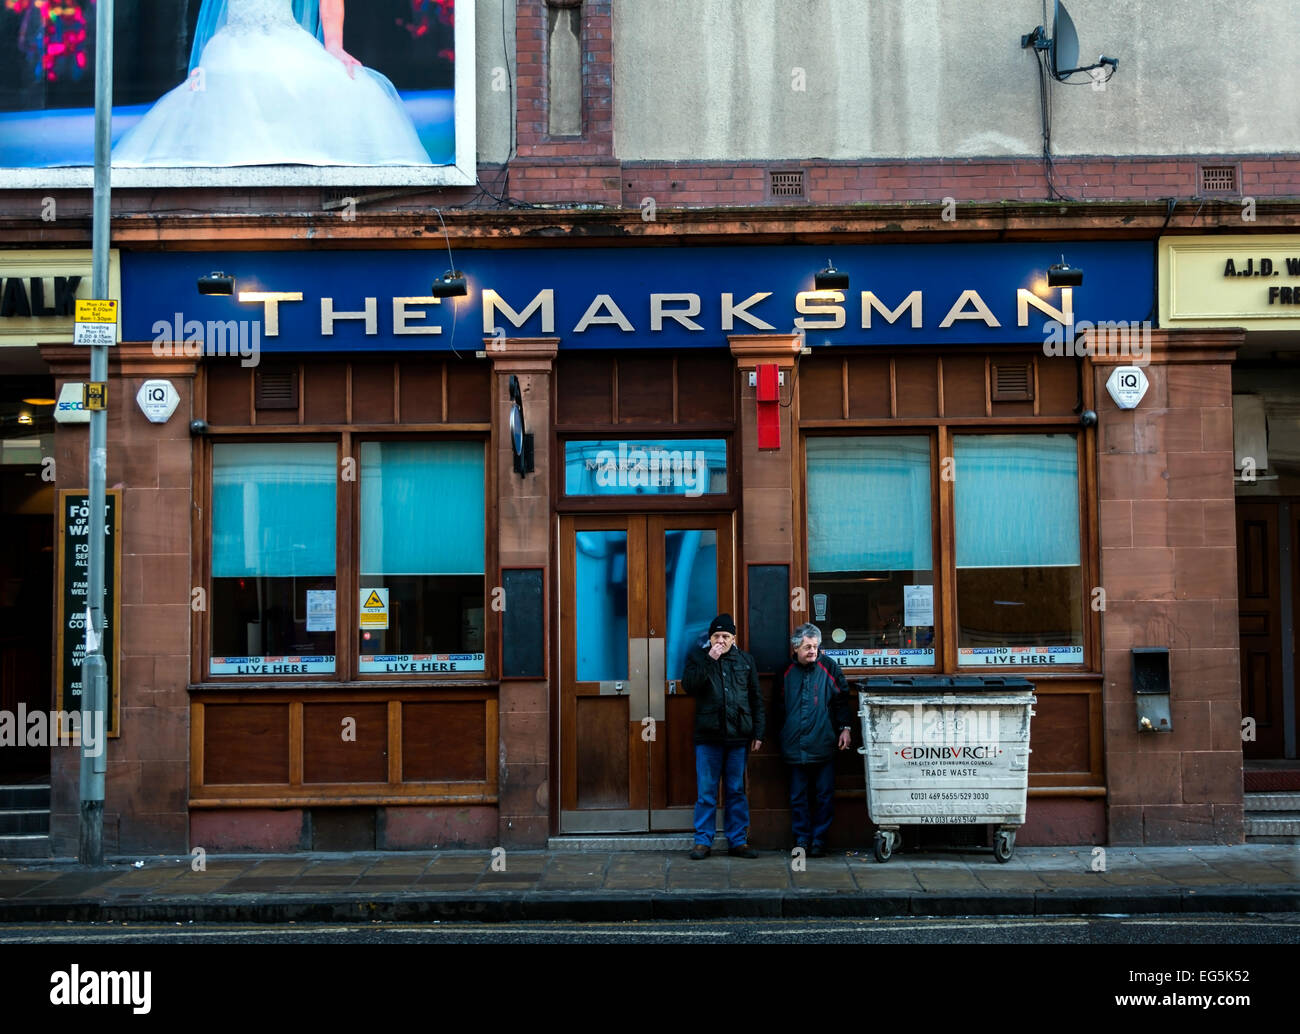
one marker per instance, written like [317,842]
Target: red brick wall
[1168,564]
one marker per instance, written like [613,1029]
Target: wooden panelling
[325,392]
[963,385]
[602,735]
[705,392]
[868,388]
[372,393]
[1058,733]
[469,392]
[246,743]
[680,776]
[420,392]
[463,397]
[584,389]
[645,389]
[229,393]
[917,383]
[444,741]
[1058,386]
[340,751]
[821,389]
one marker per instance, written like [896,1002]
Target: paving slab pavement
[602,884]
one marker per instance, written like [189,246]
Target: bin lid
[942,683]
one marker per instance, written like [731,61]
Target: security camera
[1088,418]
[198,427]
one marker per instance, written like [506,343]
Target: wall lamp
[450,285]
[1061,275]
[217,283]
[831,279]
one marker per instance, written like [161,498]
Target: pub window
[870,563]
[421,598]
[1019,575]
[273,558]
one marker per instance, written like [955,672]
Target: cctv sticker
[1127,385]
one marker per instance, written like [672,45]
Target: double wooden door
[636,593]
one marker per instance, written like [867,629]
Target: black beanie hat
[722,623]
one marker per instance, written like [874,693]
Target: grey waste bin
[946,750]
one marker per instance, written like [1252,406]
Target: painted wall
[843,79]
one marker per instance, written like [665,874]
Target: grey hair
[808,631]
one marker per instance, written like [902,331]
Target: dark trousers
[812,790]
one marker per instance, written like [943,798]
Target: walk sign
[373,609]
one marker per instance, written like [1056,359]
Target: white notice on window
[320,610]
[918,605]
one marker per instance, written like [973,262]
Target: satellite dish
[1062,47]
[1065,42]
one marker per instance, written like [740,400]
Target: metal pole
[94,670]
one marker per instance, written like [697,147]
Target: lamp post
[94,669]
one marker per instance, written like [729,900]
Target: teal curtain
[422,509]
[1016,500]
[273,510]
[868,504]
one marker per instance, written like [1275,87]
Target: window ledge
[376,686]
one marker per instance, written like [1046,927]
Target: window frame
[941,434]
[347,578]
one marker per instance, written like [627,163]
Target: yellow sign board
[1238,280]
[96,395]
[96,310]
[373,611]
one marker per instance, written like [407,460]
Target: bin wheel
[884,847]
[1003,845]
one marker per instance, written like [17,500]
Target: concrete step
[24,845]
[24,795]
[24,820]
[1273,824]
[1271,802]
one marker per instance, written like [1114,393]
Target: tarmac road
[1277,928]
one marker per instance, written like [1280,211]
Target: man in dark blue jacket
[723,678]
[811,715]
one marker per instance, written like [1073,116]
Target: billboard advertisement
[242,93]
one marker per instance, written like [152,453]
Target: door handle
[657,709]
[638,704]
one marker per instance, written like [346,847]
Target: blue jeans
[715,761]
[812,789]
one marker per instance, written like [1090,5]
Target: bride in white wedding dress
[269,93]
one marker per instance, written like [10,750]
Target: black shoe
[700,851]
[817,851]
[742,851]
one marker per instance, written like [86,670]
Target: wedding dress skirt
[266,92]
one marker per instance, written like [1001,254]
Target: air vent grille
[788,184]
[277,389]
[1218,179]
[1013,382]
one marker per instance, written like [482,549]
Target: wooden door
[1260,615]
[636,592]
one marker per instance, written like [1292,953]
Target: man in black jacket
[728,723]
[811,714]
